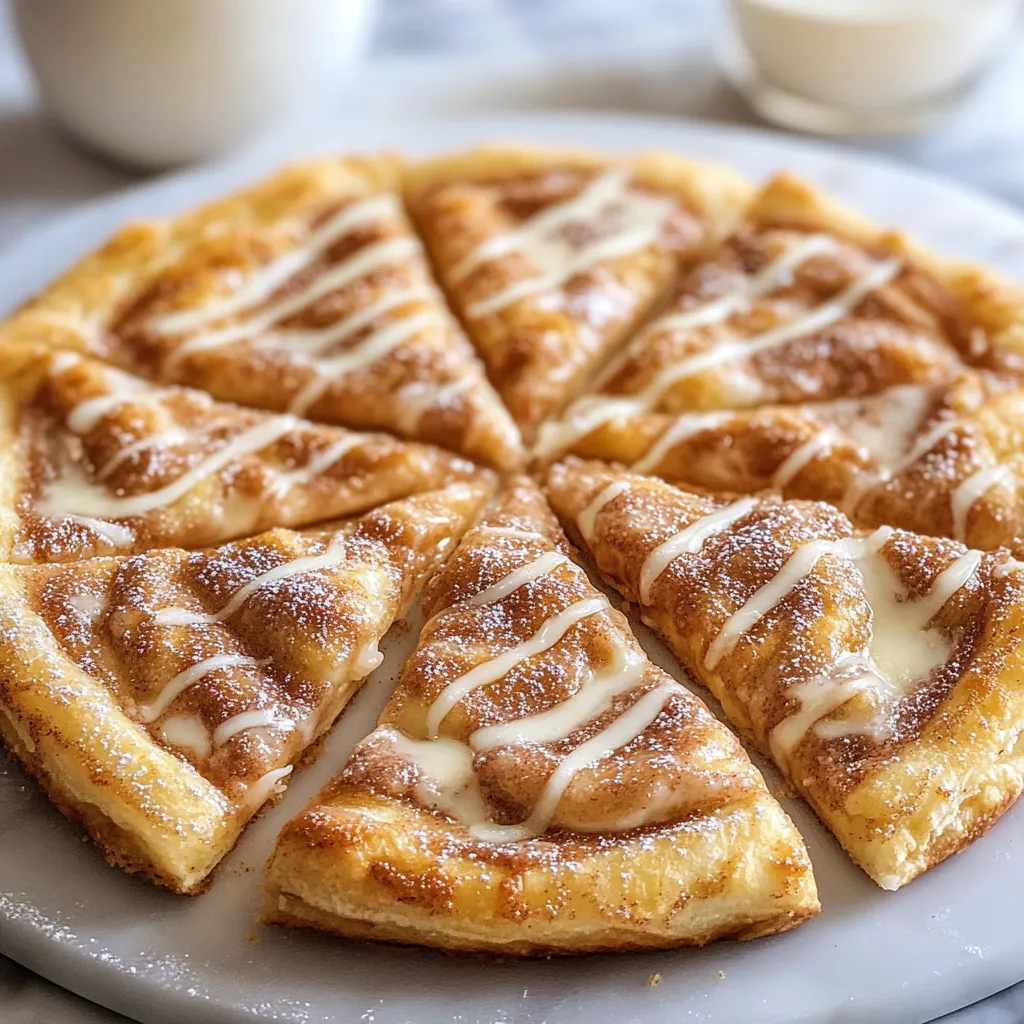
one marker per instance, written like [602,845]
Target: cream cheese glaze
[588,413]
[635,219]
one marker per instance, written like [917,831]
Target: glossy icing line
[589,413]
[637,220]
[76,496]
[262,283]
[548,634]
[690,541]
[151,711]
[331,558]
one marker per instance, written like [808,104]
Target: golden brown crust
[402,365]
[164,735]
[901,795]
[101,462]
[392,848]
[541,347]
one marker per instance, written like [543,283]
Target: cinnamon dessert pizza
[791,439]
[307,293]
[553,257]
[100,462]
[882,671]
[162,699]
[817,355]
[536,785]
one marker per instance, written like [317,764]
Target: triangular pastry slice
[536,785]
[942,459]
[99,462]
[553,257]
[883,672]
[806,302]
[162,699]
[306,293]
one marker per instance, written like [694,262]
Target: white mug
[160,82]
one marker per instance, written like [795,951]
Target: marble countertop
[653,56]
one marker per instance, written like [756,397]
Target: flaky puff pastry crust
[902,781]
[101,462]
[541,348]
[162,699]
[306,292]
[805,302]
[669,837]
[906,456]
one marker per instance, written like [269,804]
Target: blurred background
[417,57]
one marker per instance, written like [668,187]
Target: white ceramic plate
[950,938]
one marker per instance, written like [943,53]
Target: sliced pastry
[944,459]
[553,257]
[162,699]
[307,293]
[806,302]
[536,785]
[99,462]
[882,671]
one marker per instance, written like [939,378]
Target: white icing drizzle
[189,677]
[162,440]
[318,465]
[544,241]
[79,497]
[247,720]
[591,412]
[797,459]
[312,341]
[972,490]
[329,559]
[420,397]
[622,731]
[592,699]
[370,350]
[517,578]
[903,648]
[360,264]
[690,541]
[446,779]
[680,430]
[799,565]
[266,786]
[550,632]
[587,519]
[1009,566]
[187,731]
[113,533]
[262,283]
[777,273]
[85,416]
[816,319]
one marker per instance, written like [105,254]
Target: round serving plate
[948,939]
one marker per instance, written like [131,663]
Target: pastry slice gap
[162,699]
[553,257]
[101,462]
[305,293]
[881,671]
[941,459]
[805,302]
[536,785]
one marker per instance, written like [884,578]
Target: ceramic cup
[155,83]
